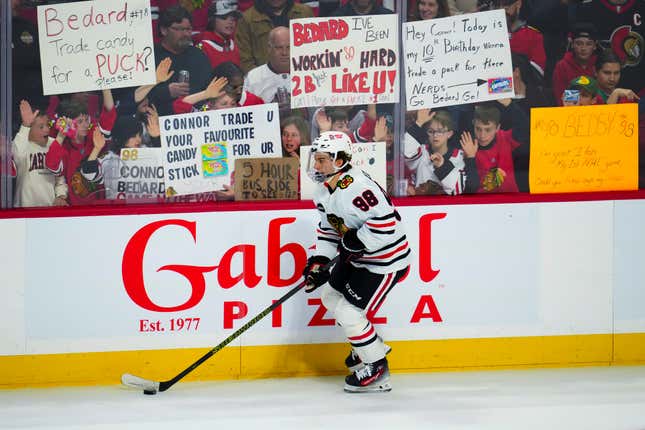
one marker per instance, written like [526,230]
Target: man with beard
[175,29]
[253,29]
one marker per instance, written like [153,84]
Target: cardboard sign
[94,45]
[344,61]
[457,60]
[200,148]
[368,156]
[584,148]
[266,178]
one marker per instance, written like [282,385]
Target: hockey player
[357,220]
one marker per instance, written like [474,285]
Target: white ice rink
[601,398]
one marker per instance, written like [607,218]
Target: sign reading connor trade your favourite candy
[200,148]
[457,60]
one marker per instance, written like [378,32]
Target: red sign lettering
[426,272]
[132,265]
[234,311]
[420,313]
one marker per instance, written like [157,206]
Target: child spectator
[218,41]
[582,91]
[127,133]
[356,113]
[444,169]
[338,120]
[578,61]
[235,76]
[218,95]
[75,151]
[608,70]
[495,147]
[35,185]
[295,133]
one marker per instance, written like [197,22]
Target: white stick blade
[136,382]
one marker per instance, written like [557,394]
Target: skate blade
[381,387]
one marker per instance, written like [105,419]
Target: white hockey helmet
[334,143]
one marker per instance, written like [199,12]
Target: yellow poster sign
[584,148]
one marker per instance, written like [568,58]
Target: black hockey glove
[351,247]
[315,272]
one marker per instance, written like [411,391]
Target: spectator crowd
[219,54]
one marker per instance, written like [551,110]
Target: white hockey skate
[373,377]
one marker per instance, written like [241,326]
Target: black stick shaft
[164,385]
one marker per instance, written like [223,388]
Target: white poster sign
[200,148]
[368,156]
[344,61]
[457,60]
[94,45]
[136,175]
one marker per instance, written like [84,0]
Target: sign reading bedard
[94,45]
[200,148]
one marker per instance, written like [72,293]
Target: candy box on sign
[500,85]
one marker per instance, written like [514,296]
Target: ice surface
[602,398]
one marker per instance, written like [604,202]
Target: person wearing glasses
[438,165]
[175,28]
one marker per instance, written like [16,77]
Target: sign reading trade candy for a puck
[457,60]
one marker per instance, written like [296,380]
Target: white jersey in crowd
[417,159]
[35,184]
[264,83]
[360,203]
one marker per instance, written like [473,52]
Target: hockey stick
[153,387]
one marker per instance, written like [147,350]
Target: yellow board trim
[106,368]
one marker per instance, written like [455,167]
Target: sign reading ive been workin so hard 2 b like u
[344,61]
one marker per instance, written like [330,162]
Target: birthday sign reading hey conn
[344,61]
[94,45]
[457,60]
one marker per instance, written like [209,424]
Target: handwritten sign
[457,60]
[367,156]
[266,178]
[344,61]
[95,45]
[140,176]
[584,148]
[200,148]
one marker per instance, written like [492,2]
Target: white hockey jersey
[36,185]
[452,175]
[358,202]
[264,82]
